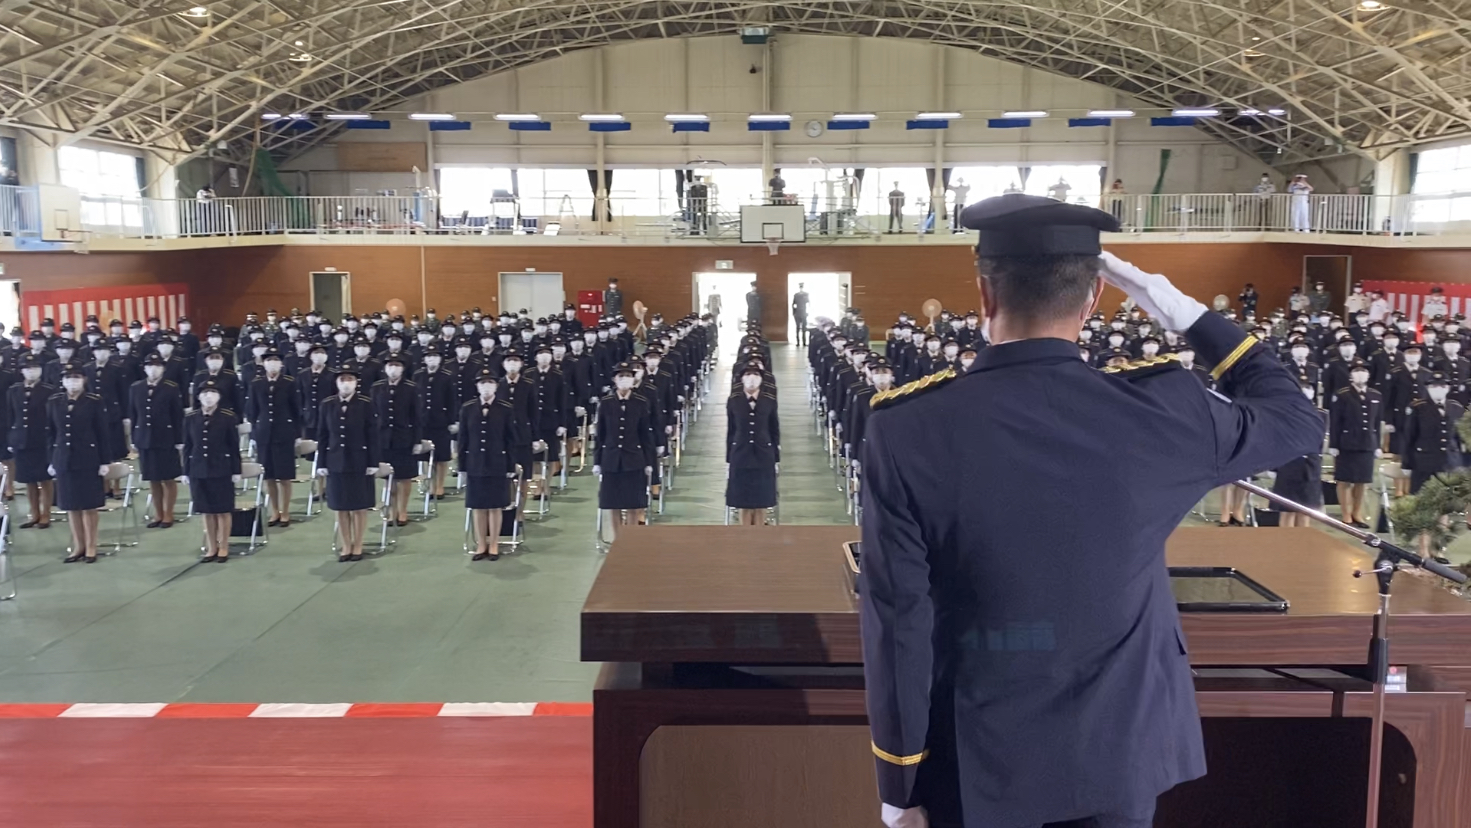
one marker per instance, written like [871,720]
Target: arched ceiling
[145,72]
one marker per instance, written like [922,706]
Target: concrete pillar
[768,139]
[1391,208]
[38,163]
[937,192]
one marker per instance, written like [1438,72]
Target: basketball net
[773,244]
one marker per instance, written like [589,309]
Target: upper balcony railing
[634,215]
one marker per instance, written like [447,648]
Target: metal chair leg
[7,572]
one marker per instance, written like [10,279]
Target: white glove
[1378,452]
[833,416]
[904,817]
[454,428]
[510,475]
[1332,452]
[178,446]
[51,470]
[839,428]
[778,468]
[1389,429]
[102,471]
[321,472]
[597,471]
[561,431]
[659,451]
[1153,292]
[678,398]
[579,411]
[372,470]
[857,467]
[668,429]
[847,448]
[538,445]
[127,422]
[648,469]
[234,478]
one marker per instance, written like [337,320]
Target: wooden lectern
[732,693]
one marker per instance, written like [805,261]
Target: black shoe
[72,558]
[1234,522]
[480,556]
[355,557]
[166,524]
[343,558]
[493,556]
[1441,559]
[273,522]
[92,559]
[206,558]
[43,526]
[28,524]
[154,524]
[221,558]
[1359,524]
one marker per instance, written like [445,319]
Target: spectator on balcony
[778,187]
[1264,191]
[206,193]
[1060,190]
[1115,199]
[1300,189]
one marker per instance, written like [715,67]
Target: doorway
[332,293]
[540,294]
[1336,274]
[722,293]
[828,294]
[9,304]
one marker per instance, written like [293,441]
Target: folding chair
[583,435]
[426,481]
[127,511]
[247,523]
[508,518]
[247,445]
[602,545]
[148,503]
[562,455]
[1384,482]
[385,472]
[309,448]
[7,573]
[541,487]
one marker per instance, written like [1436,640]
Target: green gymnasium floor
[420,624]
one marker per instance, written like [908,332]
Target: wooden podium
[732,689]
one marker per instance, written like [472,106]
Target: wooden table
[682,615]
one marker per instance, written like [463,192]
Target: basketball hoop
[773,244]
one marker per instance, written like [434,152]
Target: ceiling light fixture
[1203,112]
[938,116]
[517,116]
[431,116]
[1278,112]
[686,117]
[1025,113]
[300,57]
[855,116]
[271,116]
[1110,113]
[1252,53]
[195,12]
[348,116]
[1371,5]
[1250,112]
[601,117]
[769,116]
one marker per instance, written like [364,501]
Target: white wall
[812,77]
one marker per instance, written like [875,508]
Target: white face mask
[432,363]
[652,365]
[1149,349]
[352,324]
[1346,351]
[468,327]
[526,336]
[1187,358]
[362,350]
[1359,377]
[258,352]
[462,352]
[577,346]
[65,354]
[966,362]
[487,344]
[623,383]
[512,366]
[1437,395]
[1299,353]
[932,347]
[602,336]
[1452,348]
[590,339]
[1391,344]
[393,372]
[101,357]
[273,366]
[153,372]
[370,333]
[951,351]
[73,383]
[340,339]
[1116,340]
[486,389]
[569,314]
[1412,359]
[425,338]
[395,345]
[751,382]
[398,326]
[32,374]
[505,340]
[543,360]
[209,399]
[347,386]
[319,359]
[559,351]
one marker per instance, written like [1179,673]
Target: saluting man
[273,408]
[156,409]
[752,449]
[981,676]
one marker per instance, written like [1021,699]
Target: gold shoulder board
[904,392]
[1144,367]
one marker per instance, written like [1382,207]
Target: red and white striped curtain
[167,302]
[1409,297]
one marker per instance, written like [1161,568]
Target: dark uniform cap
[37,335]
[67,326]
[29,360]
[1438,378]
[182,319]
[486,375]
[271,353]
[211,352]
[1413,346]
[394,359]
[432,349]
[73,369]
[209,385]
[1358,364]
[135,324]
[752,368]
[623,368]
[155,359]
[1025,225]
[463,342]
[317,347]
[17,331]
[102,344]
[544,348]
[878,363]
[347,370]
[91,317]
[48,321]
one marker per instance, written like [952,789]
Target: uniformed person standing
[753,306]
[626,450]
[520,392]
[1354,417]
[799,313]
[487,437]
[105,379]
[27,437]
[752,449]
[982,675]
[1301,478]
[156,409]
[612,299]
[438,411]
[396,401]
[77,428]
[212,462]
[347,436]
[273,407]
[1431,442]
[553,409]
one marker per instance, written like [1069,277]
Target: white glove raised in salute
[1152,292]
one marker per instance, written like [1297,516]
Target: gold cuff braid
[1233,357]
[899,760]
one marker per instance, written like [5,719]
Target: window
[643,192]
[987,181]
[878,182]
[733,186]
[1081,182]
[463,189]
[553,192]
[108,182]
[1438,174]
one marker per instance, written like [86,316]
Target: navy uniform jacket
[77,430]
[582,380]
[438,403]
[347,434]
[522,396]
[487,435]
[1432,443]
[273,409]
[625,434]
[232,393]
[110,383]
[26,415]
[1005,695]
[311,388]
[553,410]
[1354,419]
[752,433]
[212,443]
[397,408]
[157,412]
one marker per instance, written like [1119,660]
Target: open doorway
[1336,274]
[828,294]
[722,293]
[9,304]
[332,293]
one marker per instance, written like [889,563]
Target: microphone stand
[1387,560]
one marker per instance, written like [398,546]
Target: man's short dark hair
[1041,288]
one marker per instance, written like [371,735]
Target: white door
[540,294]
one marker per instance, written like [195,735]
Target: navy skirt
[405,467]
[160,463]
[117,441]
[1354,467]
[212,495]
[1301,480]
[623,490]
[751,488]
[521,455]
[441,440]
[31,464]
[278,460]
[487,492]
[347,492]
[79,491]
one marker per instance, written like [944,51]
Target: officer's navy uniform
[347,436]
[752,450]
[311,388]
[109,382]
[27,435]
[1431,443]
[227,382]
[212,458]
[625,447]
[396,404]
[1012,696]
[1354,418]
[273,408]
[487,439]
[157,412]
[437,408]
[522,396]
[78,432]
